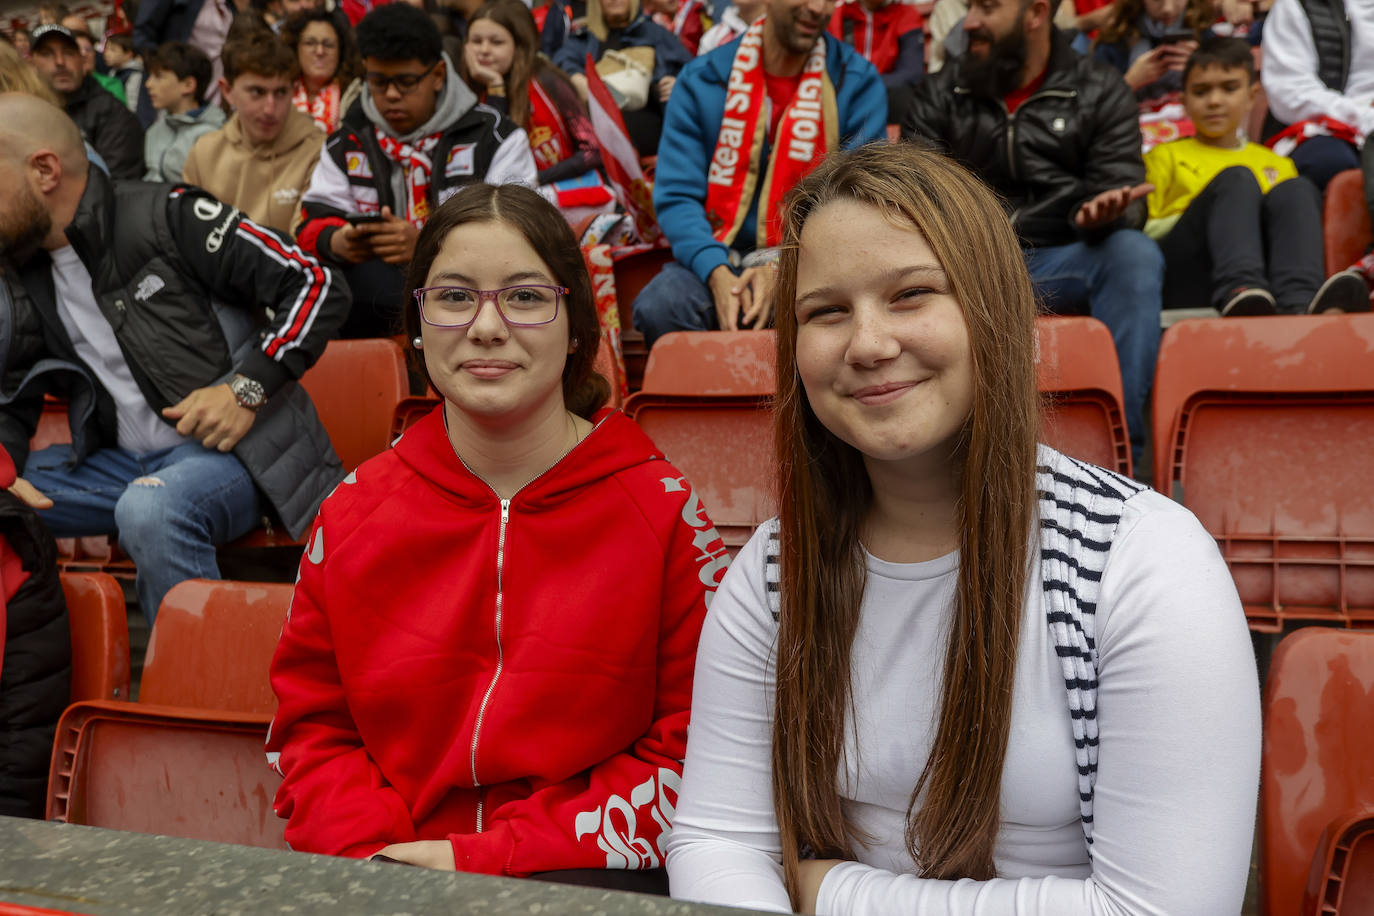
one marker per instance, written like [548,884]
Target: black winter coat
[1075,137]
[35,679]
[109,127]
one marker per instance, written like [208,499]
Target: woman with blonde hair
[18,75]
[961,673]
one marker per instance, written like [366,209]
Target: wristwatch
[248,392]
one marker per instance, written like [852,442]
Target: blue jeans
[674,300]
[170,508]
[1120,280]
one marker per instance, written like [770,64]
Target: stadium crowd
[196,197]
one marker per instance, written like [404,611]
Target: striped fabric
[1080,508]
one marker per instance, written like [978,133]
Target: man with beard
[1057,136]
[139,303]
[112,130]
[745,123]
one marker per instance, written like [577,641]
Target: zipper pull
[505,511]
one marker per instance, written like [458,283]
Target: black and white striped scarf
[1080,507]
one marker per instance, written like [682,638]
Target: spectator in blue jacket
[719,170]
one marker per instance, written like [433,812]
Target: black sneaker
[1249,301]
[1345,291]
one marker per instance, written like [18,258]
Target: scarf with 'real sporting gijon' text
[807,130]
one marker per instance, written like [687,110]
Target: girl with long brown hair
[961,673]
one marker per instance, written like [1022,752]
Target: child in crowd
[126,66]
[1239,229]
[178,78]
[262,159]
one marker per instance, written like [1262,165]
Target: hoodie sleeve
[618,814]
[333,795]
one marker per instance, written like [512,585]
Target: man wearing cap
[111,129]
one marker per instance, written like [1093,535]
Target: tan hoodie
[267,182]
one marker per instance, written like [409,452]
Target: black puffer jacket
[35,676]
[109,127]
[1075,137]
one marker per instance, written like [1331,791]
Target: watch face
[248,392]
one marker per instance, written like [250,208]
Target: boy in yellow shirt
[1240,230]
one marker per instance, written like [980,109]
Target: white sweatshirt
[1294,90]
[1178,712]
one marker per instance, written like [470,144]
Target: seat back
[1079,380]
[606,365]
[1345,221]
[1264,428]
[1318,757]
[167,771]
[100,636]
[706,403]
[212,645]
[356,385]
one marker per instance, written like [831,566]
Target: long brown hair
[825,494]
[584,389]
[1122,25]
[514,17]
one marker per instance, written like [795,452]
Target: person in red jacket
[890,35]
[488,660]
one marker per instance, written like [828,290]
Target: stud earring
[417,342]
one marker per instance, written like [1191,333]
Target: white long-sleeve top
[1178,769]
[1294,90]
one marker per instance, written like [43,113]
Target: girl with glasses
[329,68]
[961,673]
[488,660]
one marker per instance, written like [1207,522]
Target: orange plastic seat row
[1263,428]
[100,636]
[1316,827]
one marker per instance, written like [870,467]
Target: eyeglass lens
[519,305]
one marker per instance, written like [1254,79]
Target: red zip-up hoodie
[512,675]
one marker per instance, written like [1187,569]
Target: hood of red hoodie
[615,444]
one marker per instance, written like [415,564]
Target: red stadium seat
[356,385]
[1263,428]
[705,403]
[633,271]
[1318,774]
[1345,222]
[100,636]
[1080,383]
[212,644]
[187,759]
[165,770]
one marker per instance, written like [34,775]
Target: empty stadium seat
[356,385]
[1345,222]
[1264,428]
[1318,774]
[187,759]
[165,770]
[100,636]
[212,644]
[705,403]
[1079,379]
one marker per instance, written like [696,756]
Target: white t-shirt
[1178,769]
[1291,83]
[141,430]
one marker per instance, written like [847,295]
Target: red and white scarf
[807,130]
[416,167]
[324,109]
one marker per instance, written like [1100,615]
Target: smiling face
[883,353]
[492,45]
[1218,100]
[796,24]
[489,370]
